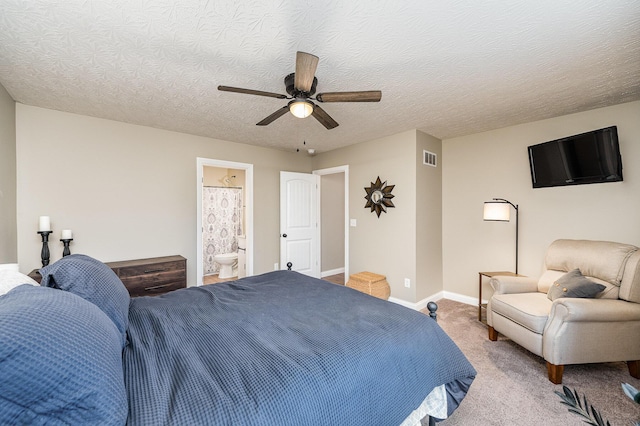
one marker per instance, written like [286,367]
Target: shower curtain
[222,223]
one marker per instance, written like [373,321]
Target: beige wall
[495,164]
[129,191]
[214,176]
[332,220]
[384,245]
[8,236]
[428,218]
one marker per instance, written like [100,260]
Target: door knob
[284,235]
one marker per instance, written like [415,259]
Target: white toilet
[228,264]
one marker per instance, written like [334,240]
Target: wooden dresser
[147,277]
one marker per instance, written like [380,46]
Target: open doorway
[229,180]
[334,222]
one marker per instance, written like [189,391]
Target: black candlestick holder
[44,253]
[65,242]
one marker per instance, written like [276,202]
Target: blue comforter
[283,349]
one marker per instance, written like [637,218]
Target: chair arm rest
[503,284]
[568,309]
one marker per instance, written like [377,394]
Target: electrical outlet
[407,283]
[276,266]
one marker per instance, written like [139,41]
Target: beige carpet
[511,387]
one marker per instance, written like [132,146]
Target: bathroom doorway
[334,223]
[224,216]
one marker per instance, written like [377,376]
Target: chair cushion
[548,278]
[530,310]
[600,259]
[574,284]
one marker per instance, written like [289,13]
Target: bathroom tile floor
[213,279]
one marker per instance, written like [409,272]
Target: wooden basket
[367,282]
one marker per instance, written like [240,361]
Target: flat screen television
[592,157]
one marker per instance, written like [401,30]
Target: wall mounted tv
[592,157]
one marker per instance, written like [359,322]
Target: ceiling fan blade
[365,96]
[252,92]
[273,117]
[306,65]
[324,118]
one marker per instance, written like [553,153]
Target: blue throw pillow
[574,284]
[93,281]
[60,361]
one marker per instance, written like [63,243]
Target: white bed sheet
[434,405]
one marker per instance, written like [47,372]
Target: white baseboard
[468,300]
[332,272]
[422,304]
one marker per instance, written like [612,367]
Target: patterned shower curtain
[222,223]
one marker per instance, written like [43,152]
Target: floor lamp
[499,210]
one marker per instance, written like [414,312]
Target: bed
[279,348]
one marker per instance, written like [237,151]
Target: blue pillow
[574,284]
[93,281]
[60,361]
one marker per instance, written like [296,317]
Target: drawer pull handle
[150,271]
[155,287]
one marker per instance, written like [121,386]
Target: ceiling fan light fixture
[301,108]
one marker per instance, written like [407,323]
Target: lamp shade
[497,210]
[301,108]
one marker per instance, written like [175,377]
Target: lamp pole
[515,206]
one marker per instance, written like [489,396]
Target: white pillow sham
[9,267]
[10,279]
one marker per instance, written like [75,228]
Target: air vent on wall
[429,158]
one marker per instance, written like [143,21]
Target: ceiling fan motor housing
[289,85]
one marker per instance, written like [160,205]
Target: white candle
[45,223]
[66,234]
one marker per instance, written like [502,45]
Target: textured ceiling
[448,68]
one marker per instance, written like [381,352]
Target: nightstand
[146,277]
[151,277]
[483,306]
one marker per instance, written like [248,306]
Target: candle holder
[65,242]
[44,253]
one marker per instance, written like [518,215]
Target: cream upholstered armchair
[593,320]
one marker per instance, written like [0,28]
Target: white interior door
[299,230]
